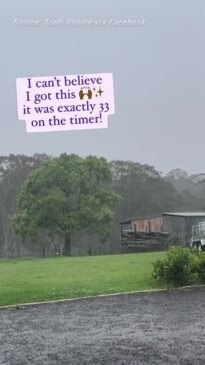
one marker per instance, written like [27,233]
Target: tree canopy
[64,195]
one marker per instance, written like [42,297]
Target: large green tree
[65,195]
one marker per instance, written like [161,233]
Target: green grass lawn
[32,280]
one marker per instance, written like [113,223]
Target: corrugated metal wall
[173,224]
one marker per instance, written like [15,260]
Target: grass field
[32,280]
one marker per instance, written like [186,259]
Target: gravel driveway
[149,328]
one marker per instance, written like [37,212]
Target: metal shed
[177,224]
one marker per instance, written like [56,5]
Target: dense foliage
[65,195]
[201,267]
[180,267]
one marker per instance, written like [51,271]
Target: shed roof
[175,214]
[186,214]
[129,221]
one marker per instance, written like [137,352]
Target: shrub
[201,267]
[180,267]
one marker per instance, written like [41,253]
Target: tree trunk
[67,245]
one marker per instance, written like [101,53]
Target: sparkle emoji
[99,92]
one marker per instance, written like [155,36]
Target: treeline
[143,190]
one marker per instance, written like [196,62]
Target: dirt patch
[149,328]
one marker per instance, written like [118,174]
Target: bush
[201,267]
[180,267]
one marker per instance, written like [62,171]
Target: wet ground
[152,328]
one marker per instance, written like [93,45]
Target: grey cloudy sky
[158,69]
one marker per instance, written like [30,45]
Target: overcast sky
[158,70]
